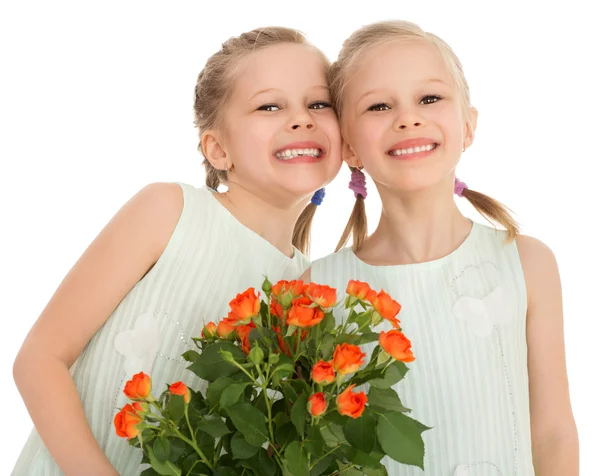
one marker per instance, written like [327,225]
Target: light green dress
[209,259]
[465,315]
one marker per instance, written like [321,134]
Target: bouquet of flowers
[284,395]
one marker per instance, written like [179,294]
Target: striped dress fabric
[209,259]
[466,317]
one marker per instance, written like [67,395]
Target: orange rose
[348,358]
[316,404]
[323,373]
[396,344]
[386,307]
[358,289]
[139,387]
[209,330]
[295,288]
[226,327]
[276,309]
[180,388]
[323,296]
[243,332]
[302,315]
[350,403]
[245,306]
[125,422]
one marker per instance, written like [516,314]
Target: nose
[407,119]
[301,119]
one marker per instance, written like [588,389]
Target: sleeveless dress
[465,315]
[209,258]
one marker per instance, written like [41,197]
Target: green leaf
[381,471]
[363,318]
[267,464]
[368,337]
[288,392]
[206,443]
[285,368]
[296,462]
[191,355]
[321,465]
[178,448]
[213,425]
[215,390]
[360,432]
[360,458]
[285,434]
[225,471]
[299,413]
[210,364]
[232,394]
[162,449]
[328,322]
[250,422]
[393,375]
[149,472]
[314,443]
[333,434]
[384,400]
[400,438]
[280,419]
[240,448]
[327,345]
[163,468]
[290,331]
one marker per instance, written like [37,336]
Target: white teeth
[292,153]
[412,150]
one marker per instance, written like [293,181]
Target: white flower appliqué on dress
[483,314]
[139,345]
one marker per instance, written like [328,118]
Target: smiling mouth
[288,154]
[413,150]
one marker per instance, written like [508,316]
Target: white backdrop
[96,102]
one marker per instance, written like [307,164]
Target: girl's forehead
[398,64]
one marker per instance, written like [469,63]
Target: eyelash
[381,105]
[321,104]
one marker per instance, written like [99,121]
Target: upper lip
[408,143]
[306,144]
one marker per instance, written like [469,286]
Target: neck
[415,228]
[273,222]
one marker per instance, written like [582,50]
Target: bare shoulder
[539,267]
[306,276]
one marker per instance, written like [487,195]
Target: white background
[96,102]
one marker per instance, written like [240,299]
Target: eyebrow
[372,91]
[268,90]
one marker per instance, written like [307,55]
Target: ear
[349,156]
[470,127]
[212,145]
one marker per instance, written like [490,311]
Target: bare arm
[553,431]
[117,259]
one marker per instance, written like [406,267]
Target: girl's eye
[319,105]
[379,107]
[430,99]
[269,107]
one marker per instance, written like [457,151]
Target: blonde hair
[340,74]
[213,89]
